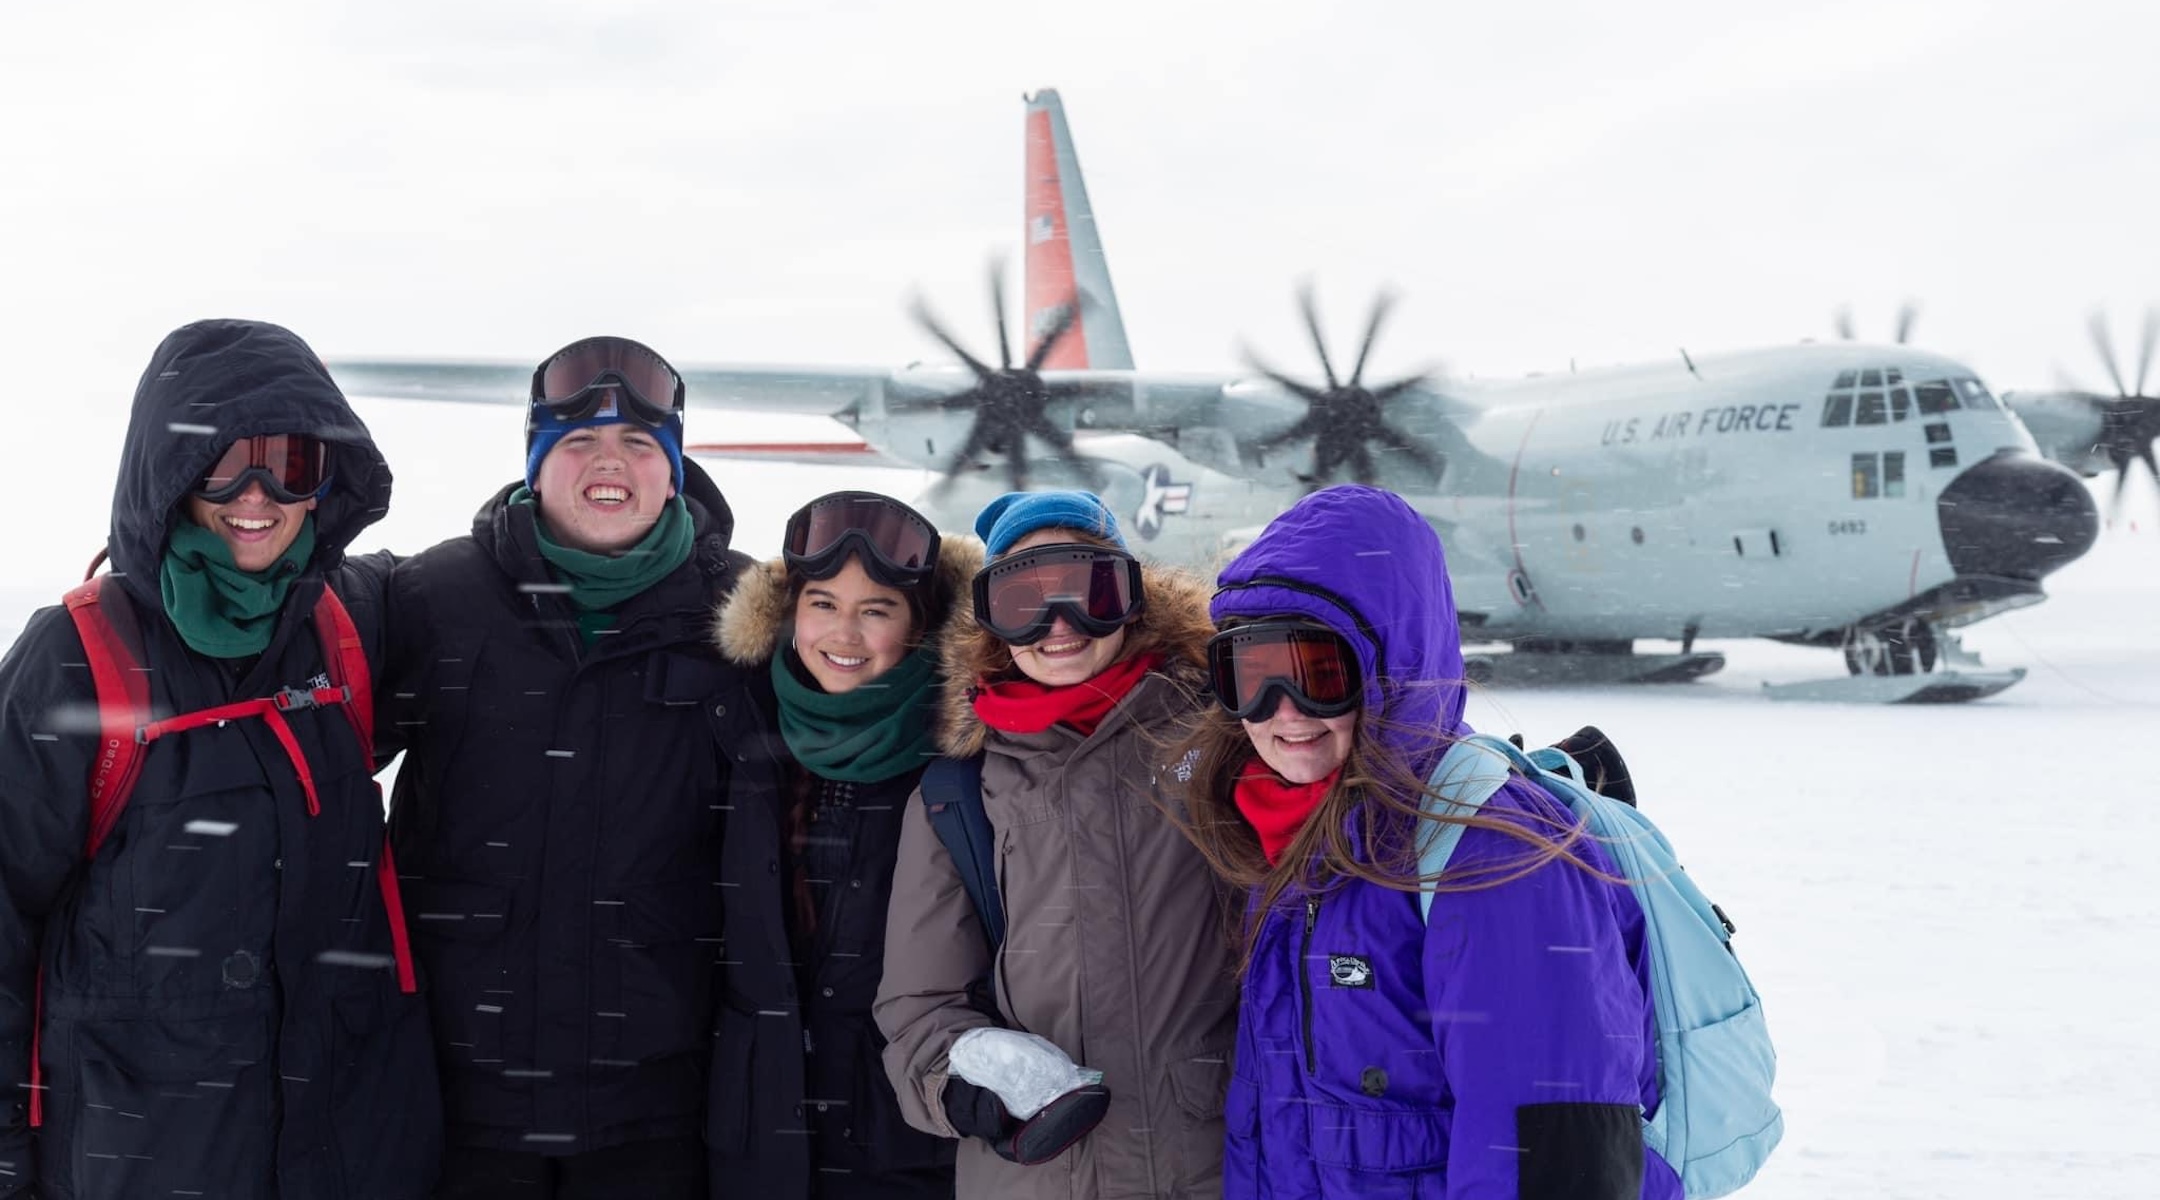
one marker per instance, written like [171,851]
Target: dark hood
[213,382]
[1364,563]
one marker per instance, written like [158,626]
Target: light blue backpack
[1716,1122]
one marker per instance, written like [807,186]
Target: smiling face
[1066,656]
[1301,748]
[255,528]
[602,487]
[850,629]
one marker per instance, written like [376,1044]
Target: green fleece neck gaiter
[220,610]
[599,582]
[877,731]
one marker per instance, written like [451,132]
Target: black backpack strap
[952,794]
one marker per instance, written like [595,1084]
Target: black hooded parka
[220,1013]
[558,821]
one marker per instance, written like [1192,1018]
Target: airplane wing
[820,454]
[817,391]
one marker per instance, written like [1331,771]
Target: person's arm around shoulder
[47,742]
[934,950]
[1540,1023]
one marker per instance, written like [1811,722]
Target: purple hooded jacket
[1507,1052]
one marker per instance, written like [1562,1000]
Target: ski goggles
[290,466]
[1096,589]
[1253,666]
[896,545]
[584,377]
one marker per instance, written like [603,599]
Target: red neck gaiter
[1277,810]
[1025,706]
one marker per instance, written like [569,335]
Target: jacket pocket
[665,947]
[458,930]
[1375,1139]
[1200,1085]
[171,1105]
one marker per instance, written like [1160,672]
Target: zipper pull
[1312,912]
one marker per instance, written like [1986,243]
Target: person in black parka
[221,999]
[832,730]
[555,689]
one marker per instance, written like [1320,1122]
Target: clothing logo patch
[1349,971]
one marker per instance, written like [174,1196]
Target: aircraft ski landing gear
[1906,661]
[1545,662]
[1905,648]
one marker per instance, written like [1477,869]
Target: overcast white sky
[770,181]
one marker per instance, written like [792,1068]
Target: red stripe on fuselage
[1049,248]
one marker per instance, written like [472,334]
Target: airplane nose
[2017,516]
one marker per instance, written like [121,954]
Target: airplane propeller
[1908,315]
[2130,419]
[1344,418]
[1008,401]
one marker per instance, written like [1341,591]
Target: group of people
[660,908]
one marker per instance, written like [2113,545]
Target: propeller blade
[936,328]
[2145,346]
[1057,438]
[960,460]
[2106,346]
[1068,316]
[1381,304]
[1312,326]
[1304,391]
[1388,391]
[971,398]
[997,310]
[1844,321]
[1413,449]
[1362,461]
[1306,426]
[1908,313]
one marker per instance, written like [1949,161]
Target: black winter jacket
[557,825]
[801,1106]
[219,1013]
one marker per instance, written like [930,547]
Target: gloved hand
[1020,1093]
[1026,1071]
[1604,771]
[976,1111]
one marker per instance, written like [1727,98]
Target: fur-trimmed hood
[749,624]
[1174,624]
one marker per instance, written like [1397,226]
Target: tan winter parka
[1115,934]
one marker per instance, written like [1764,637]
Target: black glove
[1603,768]
[977,1112]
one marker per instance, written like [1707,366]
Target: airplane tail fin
[1064,250]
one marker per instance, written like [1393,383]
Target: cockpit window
[1935,397]
[1975,393]
[1871,410]
[1871,379]
[1837,409]
[1846,379]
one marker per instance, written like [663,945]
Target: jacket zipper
[1312,917]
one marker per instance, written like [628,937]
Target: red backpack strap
[346,660]
[113,644]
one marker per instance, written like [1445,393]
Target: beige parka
[1115,943]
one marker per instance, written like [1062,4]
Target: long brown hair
[1366,828]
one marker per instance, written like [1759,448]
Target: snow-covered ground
[1959,954]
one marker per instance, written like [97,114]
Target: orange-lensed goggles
[290,466]
[1253,666]
[1096,589]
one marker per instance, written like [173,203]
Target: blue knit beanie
[543,429]
[1015,515]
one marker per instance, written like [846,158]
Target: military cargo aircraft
[1868,499]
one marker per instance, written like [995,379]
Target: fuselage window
[1893,473]
[1837,409]
[1866,479]
[1942,456]
[1871,410]
[1900,403]
[1938,432]
[1935,398]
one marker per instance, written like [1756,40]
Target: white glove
[1026,1071]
